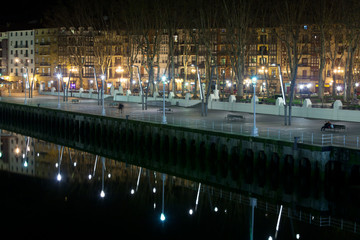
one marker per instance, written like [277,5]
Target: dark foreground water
[36,205]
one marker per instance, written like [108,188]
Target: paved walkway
[271,126]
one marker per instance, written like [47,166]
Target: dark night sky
[18,14]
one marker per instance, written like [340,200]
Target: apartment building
[4,53]
[79,54]
[21,57]
[46,56]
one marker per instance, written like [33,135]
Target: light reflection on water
[66,190]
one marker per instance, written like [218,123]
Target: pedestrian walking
[121,106]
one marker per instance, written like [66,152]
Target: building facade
[82,55]
[21,55]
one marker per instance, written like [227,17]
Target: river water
[51,191]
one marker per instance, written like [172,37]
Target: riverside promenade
[306,130]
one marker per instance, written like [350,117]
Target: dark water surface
[36,205]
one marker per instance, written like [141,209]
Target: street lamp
[163,78]
[254,132]
[59,77]
[26,75]
[102,94]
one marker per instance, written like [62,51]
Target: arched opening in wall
[98,134]
[212,158]
[354,179]
[130,142]
[261,169]
[274,171]
[223,160]
[157,147]
[111,137]
[192,154]
[92,133]
[123,140]
[202,156]
[334,180]
[248,166]
[182,152]
[149,145]
[141,146]
[174,150]
[288,174]
[235,163]
[166,149]
[104,137]
[304,178]
[87,131]
[316,182]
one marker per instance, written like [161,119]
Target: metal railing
[300,136]
[317,219]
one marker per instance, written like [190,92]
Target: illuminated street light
[59,77]
[163,78]
[254,130]
[102,94]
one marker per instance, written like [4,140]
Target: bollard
[296,139]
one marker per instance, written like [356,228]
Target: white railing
[300,136]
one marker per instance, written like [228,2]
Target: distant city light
[191,212]
[58,177]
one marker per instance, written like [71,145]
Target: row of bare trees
[146,23]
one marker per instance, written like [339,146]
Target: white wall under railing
[336,113]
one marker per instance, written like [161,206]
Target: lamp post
[140,86]
[59,77]
[102,94]
[254,132]
[26,75]
[163,78]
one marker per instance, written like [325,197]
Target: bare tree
[290,17]
[239,17]
[206,23]
[351,19]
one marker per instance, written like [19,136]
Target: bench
[336,127]
[166,110]
[75,100]
[113,104]
[234,117]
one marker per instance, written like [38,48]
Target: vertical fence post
[279,134]
[344,141]
[357,142]
[331,139]
[213,124]
[231,127]
[302,137]
[290,136]
[241,128]
[268,134]
[312,138]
